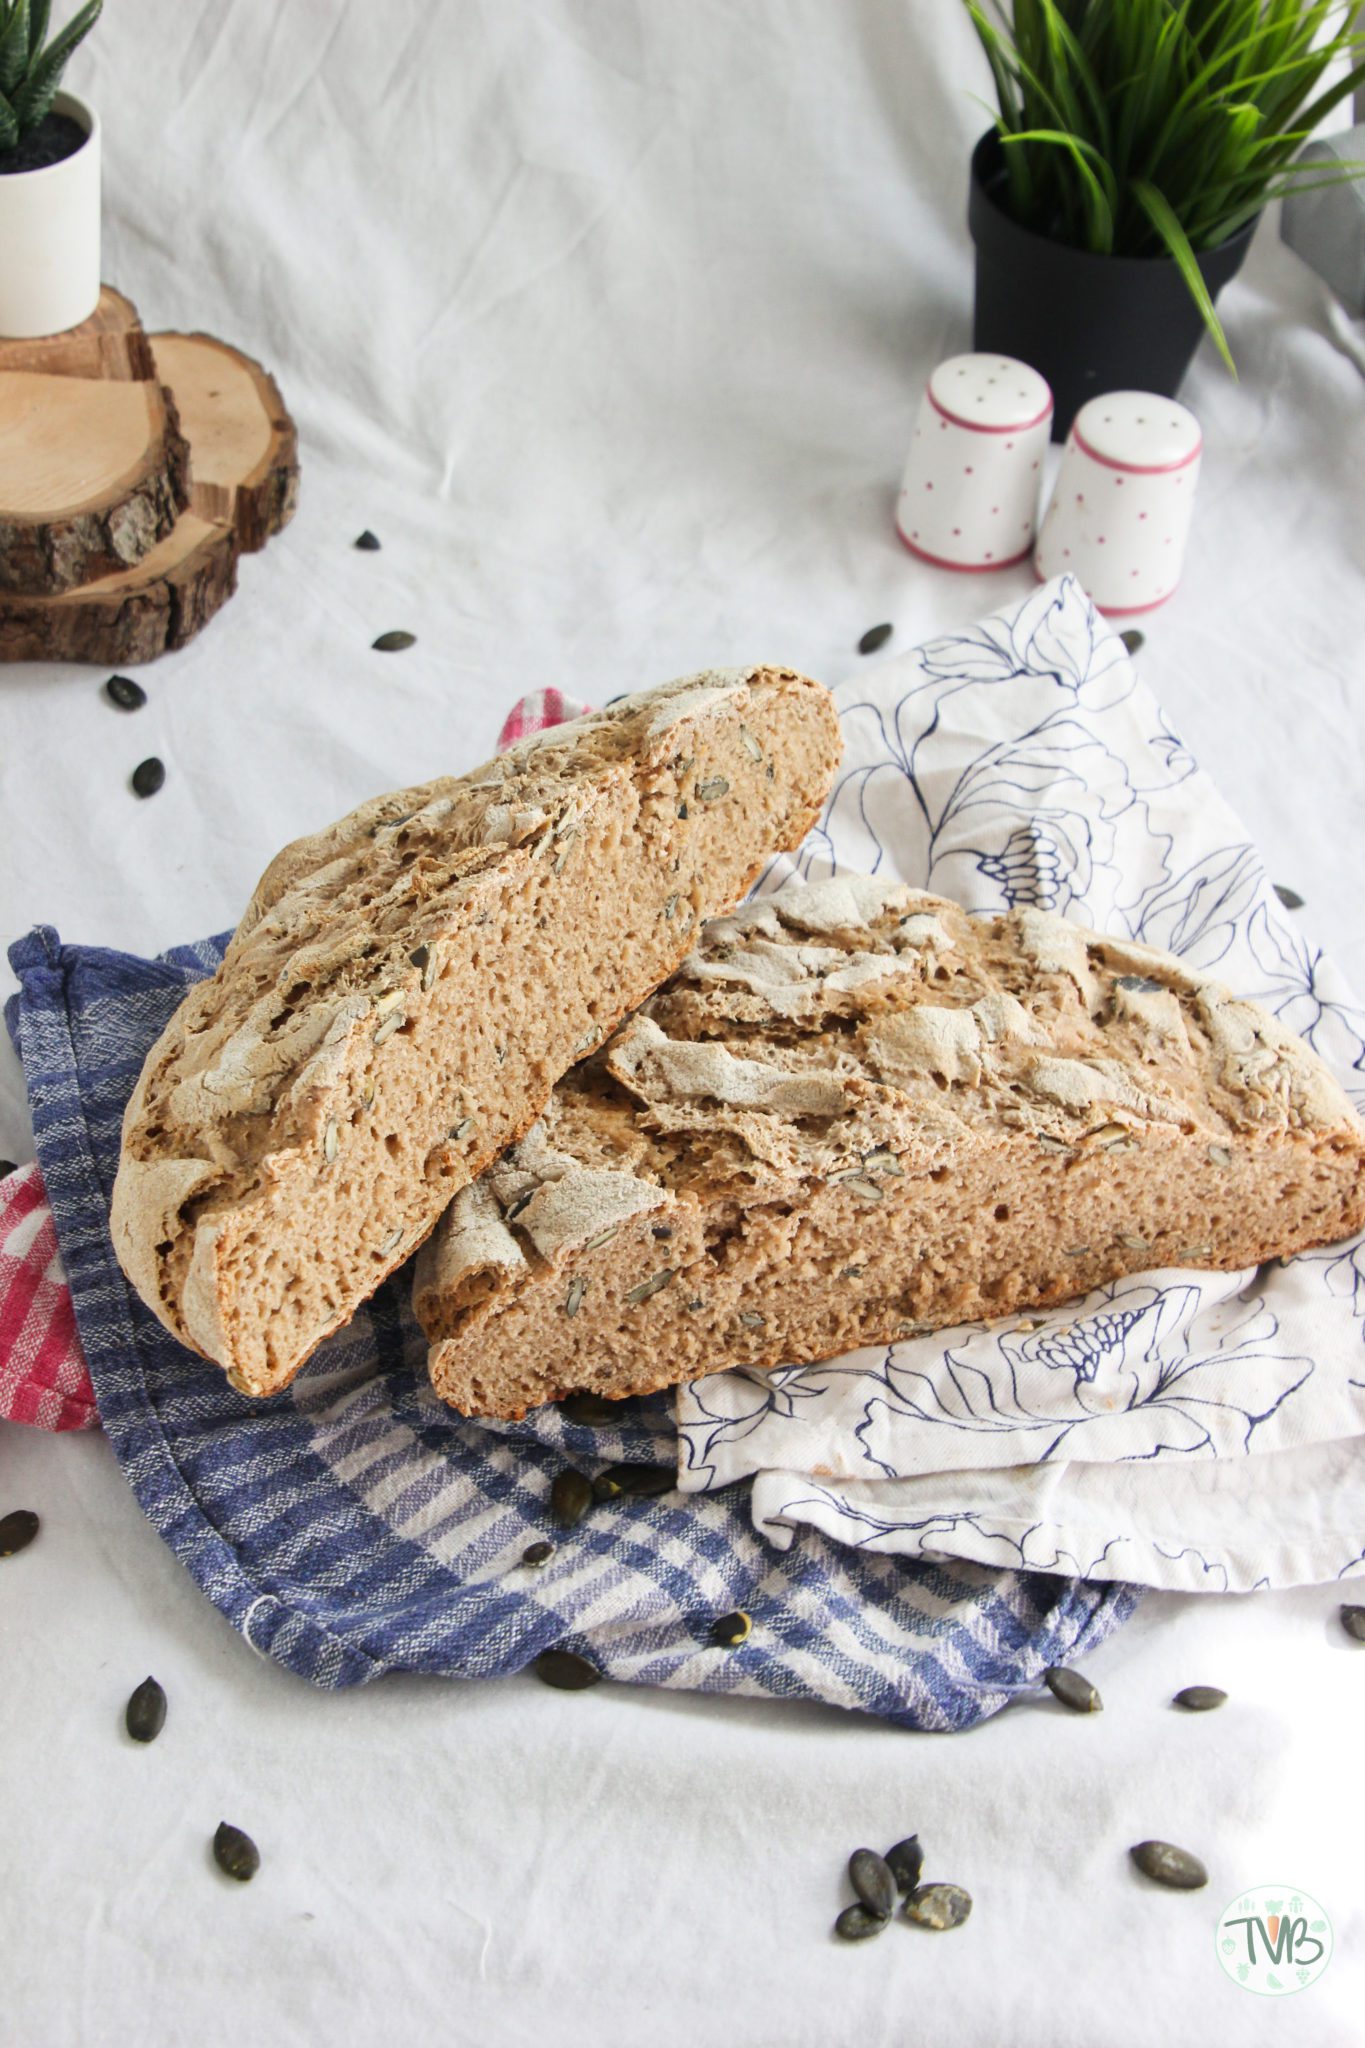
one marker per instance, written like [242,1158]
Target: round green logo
[1274,1940]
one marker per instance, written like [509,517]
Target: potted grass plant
[1136,146]
[49,176]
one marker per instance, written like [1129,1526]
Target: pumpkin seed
[394,642]
[906,1863]
[561,858]
[1200,1699]
[851,1273]
[711,792]
[1133,639]
[573,1300]
[875,637]
[389,1025]
[1165,1864]
[732,1629]
[330,1140]
[1290,898]
[565,1670]
[424,960]
[1352,1618]
[866,1190]
[590,1409]
[1072,1690]
[693,1306]
[641,1482]
[752,1320]
[538,1553]
[872,1880]
[145,1714]
[148,776]
[635,1295]
[1220,1155]
[750,744]
[670,906]
[391,1242]
[1193,1253]
[855,1923]
[520,1203]
[235,1853]
[1138,984]
[123,691]
[938,1906]
[1076,1251]
[1135,1244]
[461,1129]
[884,1161]
[369,543]
[7,1167]
[1051,1144]
[570,1496]
[682,810]
[17,1530]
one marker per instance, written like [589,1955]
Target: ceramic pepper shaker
[969,496]
[1121,511]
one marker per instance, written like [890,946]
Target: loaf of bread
[407,987]
[857,1114]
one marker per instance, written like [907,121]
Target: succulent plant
[29,71]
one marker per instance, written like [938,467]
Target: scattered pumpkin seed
[561,858]
[640,1482]
[871,1878]
[1290,898]
[855,1923]
[1051,1144]
[938,1906]
[906,1863]
[538,1553]
[875,637]
[388,1025]
[17,1530]
[1133,639]
[369,543]
[1072,1689]
[573,1300]
[520,1203]
[7,1167]
[1193,1253]
[420,956]
[123,691]
[1138,984]
[750,744]
[145,1714]
[1200,1699]
[670,905]
[884,1161]
[635,1295]
[662,1230]
[330,1140]
[235,1853]
[595,1244]
[682,810]
[1220,1155]
[752,1320]
[732,1629]
[693,1306]
[393,642]
[1165,1864]
[392,999]
[1076,1251]
[1352,1618]
[712,791]
[1135,1244]
[148,776]
[851,1273]
[565,1670]
[391,1242]
[590,1409]
[570,1496]
[866,1190]
[461,1129]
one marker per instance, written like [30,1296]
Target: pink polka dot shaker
[969,496]
[1120,514]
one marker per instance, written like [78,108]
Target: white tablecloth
[611,319]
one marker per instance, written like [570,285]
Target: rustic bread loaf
[856,1114]
[407,987]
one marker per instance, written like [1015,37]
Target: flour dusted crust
[407,986]
[854,1114]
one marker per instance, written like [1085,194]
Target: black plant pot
[1087,323]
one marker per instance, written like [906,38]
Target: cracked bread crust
[407,986]
[856,1114]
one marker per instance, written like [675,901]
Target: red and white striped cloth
[43,1375]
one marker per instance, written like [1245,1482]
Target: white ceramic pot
[50,237]
[969,496]
[1120,514]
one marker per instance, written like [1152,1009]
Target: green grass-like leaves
[30,67]
[1161,127]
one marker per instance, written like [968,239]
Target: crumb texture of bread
[856,1114]
[407,986]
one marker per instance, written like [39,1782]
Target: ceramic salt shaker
[1120,514]
[969,496]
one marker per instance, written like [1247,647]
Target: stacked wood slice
[134,470]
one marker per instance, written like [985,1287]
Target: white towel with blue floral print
[1192,1430]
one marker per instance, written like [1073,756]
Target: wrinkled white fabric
[610,317]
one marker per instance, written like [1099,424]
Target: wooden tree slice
[245,461]
[93,473]
[110,343]
[135,615]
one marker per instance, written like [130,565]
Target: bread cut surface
[407,986]
[856,1114]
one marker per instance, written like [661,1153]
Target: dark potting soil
[55,138]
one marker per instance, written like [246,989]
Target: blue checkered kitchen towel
[352,1526]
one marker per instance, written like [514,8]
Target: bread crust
[407,985]
[856,1114]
